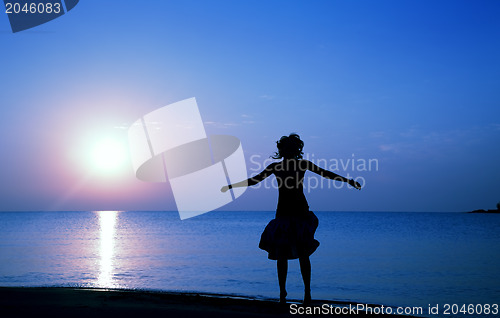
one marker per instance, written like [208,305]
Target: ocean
[386,258]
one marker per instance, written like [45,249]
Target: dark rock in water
[485,211]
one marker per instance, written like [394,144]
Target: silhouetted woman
[291,234]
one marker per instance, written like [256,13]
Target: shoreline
[99,302]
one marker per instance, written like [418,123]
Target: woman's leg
[305,270]
[282,265]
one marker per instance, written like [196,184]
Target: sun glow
[108,156]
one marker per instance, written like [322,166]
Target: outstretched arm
[250,181]
[331,175]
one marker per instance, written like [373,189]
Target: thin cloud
[267,97]
[220,124]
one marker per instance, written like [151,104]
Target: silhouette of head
[289,147]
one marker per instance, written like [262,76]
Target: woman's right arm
[331,175]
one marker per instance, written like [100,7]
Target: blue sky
[412,84]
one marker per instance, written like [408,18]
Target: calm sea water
[397,259]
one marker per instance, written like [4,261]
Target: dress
[290,234]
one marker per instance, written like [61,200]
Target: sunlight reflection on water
[107,225]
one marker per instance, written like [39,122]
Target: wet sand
[80,302]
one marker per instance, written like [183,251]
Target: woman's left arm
[251,181]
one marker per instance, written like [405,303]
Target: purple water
[397,259]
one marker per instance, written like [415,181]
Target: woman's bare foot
[307,297]
[283,297]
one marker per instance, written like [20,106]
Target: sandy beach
[81,302]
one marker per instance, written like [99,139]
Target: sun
[108,155]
